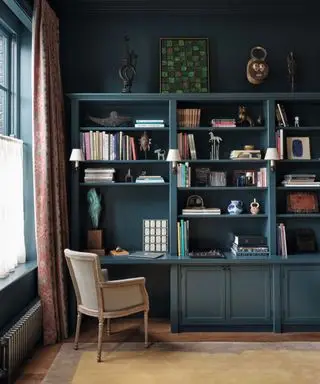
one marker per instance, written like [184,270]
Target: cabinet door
[249,295]
[301,294]
[202,295]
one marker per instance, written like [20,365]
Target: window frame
[11,81]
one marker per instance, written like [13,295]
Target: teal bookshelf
[207,294]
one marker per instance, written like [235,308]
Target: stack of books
[149,179]
[249,247]
[223,123]
[150,123]
[99,175]
[201,211]
[300,180]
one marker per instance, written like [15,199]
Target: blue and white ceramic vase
[235,207]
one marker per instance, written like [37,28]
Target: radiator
[19,339]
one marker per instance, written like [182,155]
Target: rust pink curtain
[49,172]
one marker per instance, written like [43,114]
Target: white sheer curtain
[12,242]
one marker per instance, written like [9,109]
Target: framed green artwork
[184,65]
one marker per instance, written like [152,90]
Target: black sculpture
[128,69]
[292,70]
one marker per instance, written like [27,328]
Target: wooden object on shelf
[119,252]
[95,242]
[95,238]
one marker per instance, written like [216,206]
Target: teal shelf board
[87,162]
[223,216]
[228,260]
[221,129]
[297,187]
[226,161]
[298,216]
[222,188]
[295,161]
[118,129]
[198,97]
[311,128]
[97,184]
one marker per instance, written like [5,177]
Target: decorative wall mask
[257,68]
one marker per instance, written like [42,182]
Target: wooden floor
[126,330]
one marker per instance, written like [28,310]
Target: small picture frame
[298,148]
[302,202]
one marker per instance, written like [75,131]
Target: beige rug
[189,362]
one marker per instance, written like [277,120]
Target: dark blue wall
[92,48]
[15,297]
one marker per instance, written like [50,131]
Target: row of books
[92,175]
[108,146]
[183,237]
[187,146]
[188,117]
[183,175]
[281,116]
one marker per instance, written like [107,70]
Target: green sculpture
[95,208]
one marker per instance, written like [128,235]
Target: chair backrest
[85,271]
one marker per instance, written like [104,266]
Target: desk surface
[186,260]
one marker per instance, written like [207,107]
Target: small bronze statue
[145,143]
[128,177]
[292,70]
[244,118]
[127,71]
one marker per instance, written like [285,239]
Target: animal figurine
[145,143]
[215,146]
[244,118]
[161,153]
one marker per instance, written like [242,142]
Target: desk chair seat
[97,296]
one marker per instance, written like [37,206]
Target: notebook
[145,255]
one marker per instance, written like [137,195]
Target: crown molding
[269,8]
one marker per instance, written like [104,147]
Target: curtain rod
[9,138]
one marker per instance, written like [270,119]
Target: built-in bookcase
[125,205]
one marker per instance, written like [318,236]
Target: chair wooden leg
[145,318]
[108,327]
[100,334]
[76,340]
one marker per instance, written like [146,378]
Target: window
[11,159]
[8,81]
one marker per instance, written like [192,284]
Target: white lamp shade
[272,154]
[173,155]
[76,155]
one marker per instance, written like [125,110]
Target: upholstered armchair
[102,298]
